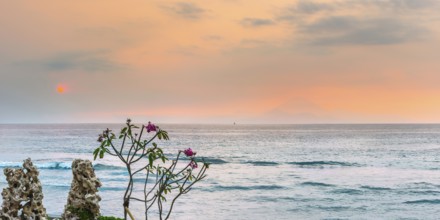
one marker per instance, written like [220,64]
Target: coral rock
[24,193]
[83,195]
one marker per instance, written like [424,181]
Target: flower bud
[189,152]
[150,127]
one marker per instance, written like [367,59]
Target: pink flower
[150,127]
[193,164]
[189,152]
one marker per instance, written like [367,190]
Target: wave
[210,160]
[57,166]
[48,165]
[56,185]
[124,179]
[347,191]
[213,160]
[112,189]
[267,187]
[99,166]
[424,201]
[425,192]
[375,188]
[10,164]
[262,163]
[323,163]
[54,165]
[67,186]
[316,184]
[333,208]
[423,185]
[257,187]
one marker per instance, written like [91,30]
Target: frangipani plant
[140,155]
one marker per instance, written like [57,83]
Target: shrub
[83,214]
[169,178]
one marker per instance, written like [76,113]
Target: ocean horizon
[258,171]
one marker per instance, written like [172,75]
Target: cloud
[83,61]
[256,22]
[311,7]
[407,4]
[352,30]
[355,22]
[186,10]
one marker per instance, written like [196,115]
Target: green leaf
[164,134]
[150,159]
[101,154]
[154,144]
[95,153]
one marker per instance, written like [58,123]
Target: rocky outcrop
[83,198]
[23,197]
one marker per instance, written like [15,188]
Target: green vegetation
[109,218]
[83,214]
[100,218]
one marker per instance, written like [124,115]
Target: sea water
[257,171]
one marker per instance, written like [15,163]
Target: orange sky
[222,61]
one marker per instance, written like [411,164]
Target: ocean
[374,171]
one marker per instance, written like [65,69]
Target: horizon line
[233,123]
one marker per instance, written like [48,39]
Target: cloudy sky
[248,61]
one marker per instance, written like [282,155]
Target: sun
[61,89]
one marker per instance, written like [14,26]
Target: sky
[220,61]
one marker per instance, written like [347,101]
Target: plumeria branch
[133,149]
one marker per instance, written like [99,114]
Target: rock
[83,197]
[23,193]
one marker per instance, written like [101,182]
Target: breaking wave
[57,166]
